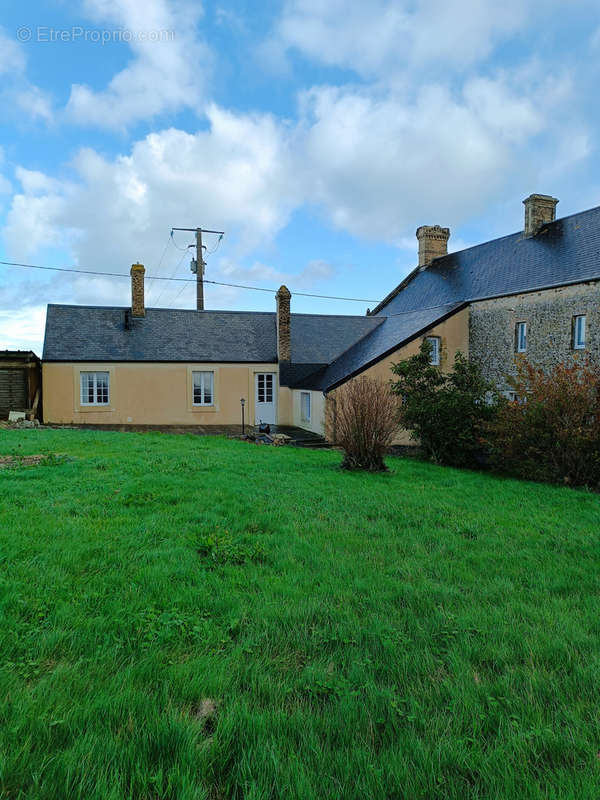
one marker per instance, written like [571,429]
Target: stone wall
[549,317]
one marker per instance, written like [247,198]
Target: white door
[264,405]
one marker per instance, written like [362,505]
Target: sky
[317,135]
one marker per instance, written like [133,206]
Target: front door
[265,398]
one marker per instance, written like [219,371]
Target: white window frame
[436,346]
[579,331]
[204,377]
[521,337]
[265,385]
[98,400]
[305,396]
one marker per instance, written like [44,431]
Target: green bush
[447,413]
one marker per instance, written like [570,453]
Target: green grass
[427,633]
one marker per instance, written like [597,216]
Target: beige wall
[157,394]
[454,337]
[316,423]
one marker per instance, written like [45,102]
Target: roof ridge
[152,308]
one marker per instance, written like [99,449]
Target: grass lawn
[187,617]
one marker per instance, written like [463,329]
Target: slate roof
[394,331]
[565,251]
[99,333]
[328,349]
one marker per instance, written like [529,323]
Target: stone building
[534,294]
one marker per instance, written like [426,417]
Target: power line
[184,249]
[74,270]
[150,290]
[162,291]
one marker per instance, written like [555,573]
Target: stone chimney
[137,290]
[433,243]
[284,333]
[539,209]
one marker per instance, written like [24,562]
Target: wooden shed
[20,383]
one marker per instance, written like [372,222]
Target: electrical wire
[216,247]
[151,288]
[185,249]
[75,270]
[162,291]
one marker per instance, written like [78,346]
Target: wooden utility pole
[199,271]
[200,264]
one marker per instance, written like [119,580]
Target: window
[264,387]
[579,332]
[521,337]
[203,388]
[94,388]
[305,406]
[434,341]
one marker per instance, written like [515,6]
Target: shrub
[446,412]
[362,417]
[551,431]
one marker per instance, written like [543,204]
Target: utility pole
[200,263]
[199,271]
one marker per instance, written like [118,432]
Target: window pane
[305,406]
[580,331]
[102,387]
[94,388]
[202,388]
[208,388]
[435,350]
[197,384]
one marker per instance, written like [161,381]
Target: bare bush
[362,418]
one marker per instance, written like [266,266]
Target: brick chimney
[284,334]
[433,243]
[539,209]
[137,290]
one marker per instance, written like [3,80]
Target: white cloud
[163,76]
[12,57]
[16,91]
[34,102]
[21,329]
[236,176]
[381,164]
[377,37]
[5,184]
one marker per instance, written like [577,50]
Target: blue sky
[318,136]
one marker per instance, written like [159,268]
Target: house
[533,294]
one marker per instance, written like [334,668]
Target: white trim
[305,406]
[435,343]
[99,388]
[205,391]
